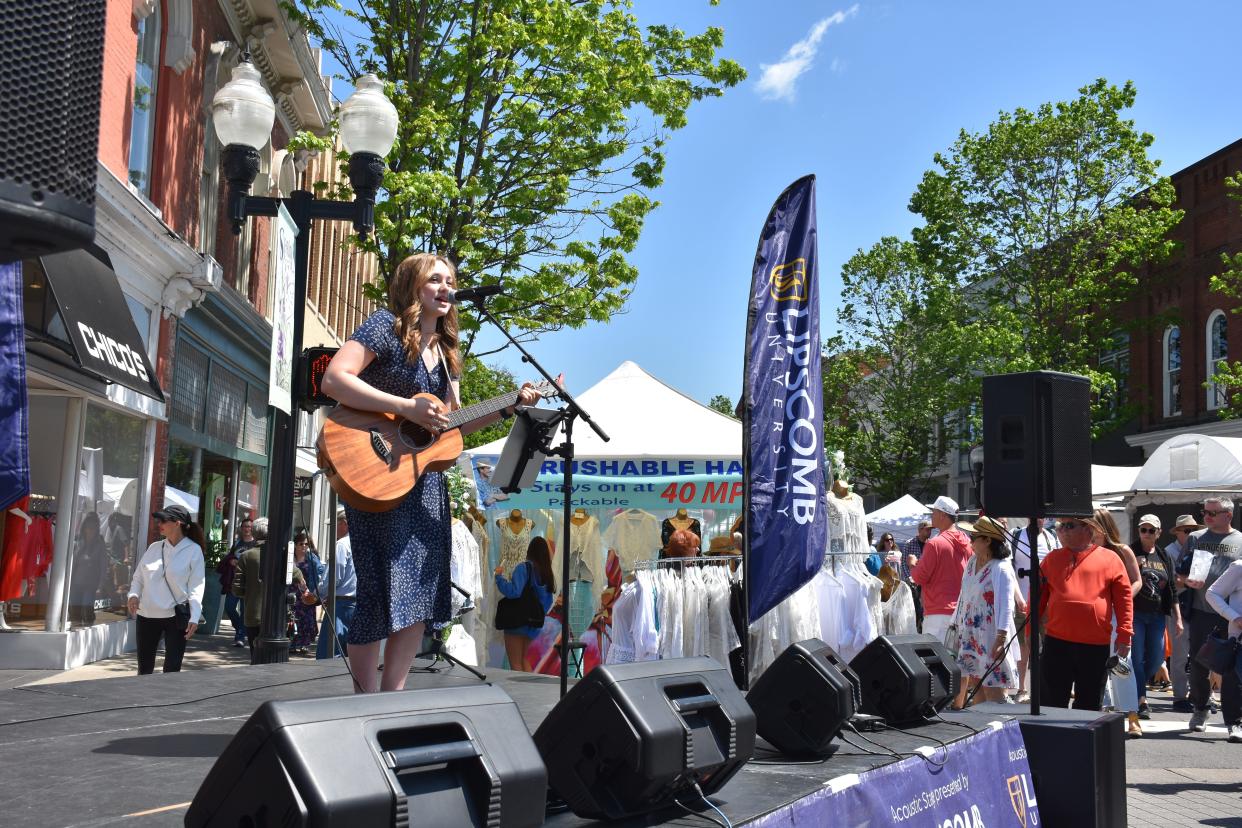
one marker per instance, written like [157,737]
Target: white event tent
[901,518]
[644,417]
[1188,466]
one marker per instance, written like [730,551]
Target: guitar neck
[477,411]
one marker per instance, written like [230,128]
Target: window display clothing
[635,535]
[672,524]
[985,607]
[19,532]
[513,542]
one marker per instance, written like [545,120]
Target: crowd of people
[1114,619]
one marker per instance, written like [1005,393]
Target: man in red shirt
[939,570]
[1084,585]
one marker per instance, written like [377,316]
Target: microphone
[474,294]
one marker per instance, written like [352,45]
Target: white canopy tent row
[1187,468]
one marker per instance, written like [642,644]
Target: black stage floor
[134,750]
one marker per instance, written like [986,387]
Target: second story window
[1115,360]
[142,127]
[1217,353]
[1173,371]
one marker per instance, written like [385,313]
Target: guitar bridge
[381,447]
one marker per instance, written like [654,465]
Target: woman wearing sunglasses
[1153,603]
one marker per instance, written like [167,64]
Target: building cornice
[176,275]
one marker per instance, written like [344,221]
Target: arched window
[1173,371]
[1217,352]
[146,74]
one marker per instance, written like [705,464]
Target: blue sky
[877,88]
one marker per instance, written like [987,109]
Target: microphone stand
[437,651]
[569,412]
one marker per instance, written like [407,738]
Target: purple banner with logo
[786,506]
[14,457]
[983,780]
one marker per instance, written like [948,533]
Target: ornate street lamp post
[243,113]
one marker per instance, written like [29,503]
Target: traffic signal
[314,364]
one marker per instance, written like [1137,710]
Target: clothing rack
[655,563]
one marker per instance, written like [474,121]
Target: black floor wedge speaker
[445,756]
[804,699]
[906,678]
[631,738]
[1037,444]
[51,71]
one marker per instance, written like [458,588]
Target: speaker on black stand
[50,82]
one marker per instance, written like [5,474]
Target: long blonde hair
[1112,534]
[408,279]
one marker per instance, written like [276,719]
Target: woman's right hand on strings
[427,413]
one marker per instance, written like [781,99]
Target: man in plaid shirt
[911,552]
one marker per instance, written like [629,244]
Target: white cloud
[779,79]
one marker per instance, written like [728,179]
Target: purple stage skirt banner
[984,781]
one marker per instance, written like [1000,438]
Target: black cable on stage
[912,734]
[775,757]
[702,796]
[886,751]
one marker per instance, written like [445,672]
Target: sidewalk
[1178,778]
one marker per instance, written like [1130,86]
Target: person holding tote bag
[166,595]
[534,573]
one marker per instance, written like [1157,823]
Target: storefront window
[48,415]
[105,539]
[250,491]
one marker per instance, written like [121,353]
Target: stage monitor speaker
[50,80]
[1078,767]
[631,738]
[1037,444]
[804,699]
[443,756]
[906,678]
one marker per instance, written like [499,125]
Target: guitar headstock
[547,390]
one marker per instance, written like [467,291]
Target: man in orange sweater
[1083,586]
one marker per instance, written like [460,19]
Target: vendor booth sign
[645,483]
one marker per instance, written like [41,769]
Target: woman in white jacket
[1225,596]
[170,572]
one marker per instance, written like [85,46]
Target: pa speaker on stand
[1037,444]
[50,80]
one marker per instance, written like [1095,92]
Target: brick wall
[116,100]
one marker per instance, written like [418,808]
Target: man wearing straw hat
[1084,586]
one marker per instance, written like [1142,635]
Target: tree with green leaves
[531,138]
[1227,378]
[722,404]
[892,372]
[1044,220]
[482,382]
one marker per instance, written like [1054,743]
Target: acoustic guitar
[372,460]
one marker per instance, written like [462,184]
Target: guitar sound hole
[415,436]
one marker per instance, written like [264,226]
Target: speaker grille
[50,54]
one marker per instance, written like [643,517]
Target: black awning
[97,321]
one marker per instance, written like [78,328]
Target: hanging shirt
[899,617]
[635,535]
[513,544]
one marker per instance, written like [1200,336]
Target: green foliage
[531,136]
[891,374]
[1044,220]
[482,382]
[1228,283]
[460,491]
[722,404]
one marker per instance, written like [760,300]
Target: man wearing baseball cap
[939,570]
[1179,659]
[1084,586]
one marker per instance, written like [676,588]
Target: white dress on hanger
[635,535]
[899,617]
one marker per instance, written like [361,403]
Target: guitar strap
[454,382]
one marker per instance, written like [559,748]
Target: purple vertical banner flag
[14,414]
[786,500]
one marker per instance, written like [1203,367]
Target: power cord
[930,759]
[703,797]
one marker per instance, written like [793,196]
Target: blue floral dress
[985,603]
[402,555]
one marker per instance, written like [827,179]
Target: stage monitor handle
[525,448]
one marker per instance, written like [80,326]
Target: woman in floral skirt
[985,612]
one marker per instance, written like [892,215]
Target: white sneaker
[1235,734]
